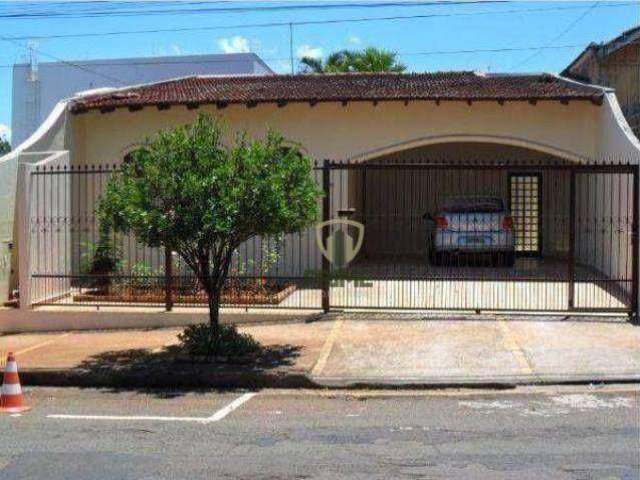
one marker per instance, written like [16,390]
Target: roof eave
[597,98]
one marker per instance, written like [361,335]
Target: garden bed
[267,294]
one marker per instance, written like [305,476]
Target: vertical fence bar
[168,280]
[363,173]
[326,213]
[572,240]
[635,246]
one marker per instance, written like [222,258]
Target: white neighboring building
[37,88]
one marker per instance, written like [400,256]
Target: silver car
[471,225]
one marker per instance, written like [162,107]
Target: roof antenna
[33,60]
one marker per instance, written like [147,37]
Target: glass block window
[525,209]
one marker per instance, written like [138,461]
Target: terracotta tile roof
[340,87]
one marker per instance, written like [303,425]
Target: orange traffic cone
[11,393]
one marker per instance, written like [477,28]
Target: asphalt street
[529,433]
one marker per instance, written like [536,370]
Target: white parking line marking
[40,345]
[220,414]
[217,416]
[125,417]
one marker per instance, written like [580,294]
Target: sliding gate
[481,237]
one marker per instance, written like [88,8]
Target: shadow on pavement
[172,371]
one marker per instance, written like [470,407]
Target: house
[38,87]
[614,64]
[390,148]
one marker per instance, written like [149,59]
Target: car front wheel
[509,259]
[437,258]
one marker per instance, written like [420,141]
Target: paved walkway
[145,358]
[352,349]
[445,350]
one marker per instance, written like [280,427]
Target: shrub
[198,341]
[100,260]
[143,276]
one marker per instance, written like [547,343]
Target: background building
[38,87]
[614,64]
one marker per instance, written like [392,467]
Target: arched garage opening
[487,226]
[393,197]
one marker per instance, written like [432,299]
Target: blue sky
[455,26]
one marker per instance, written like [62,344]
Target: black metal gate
[558,237]
[549,237]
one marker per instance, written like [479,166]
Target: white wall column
[23,209]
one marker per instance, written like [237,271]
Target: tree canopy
[187,190]
[370,59]
[5,147]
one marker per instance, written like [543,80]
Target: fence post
[572,239]
[363,172]
[23,214]
[168,280]
[635,247]
[326,213]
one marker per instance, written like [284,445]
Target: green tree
[376,60]
[370,59]
[5,147]
[340,61]
[188,191]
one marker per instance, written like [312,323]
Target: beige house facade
[456,119]
[361,130]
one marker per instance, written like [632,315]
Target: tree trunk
[213,283]
[214,311]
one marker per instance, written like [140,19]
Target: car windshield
[473,205]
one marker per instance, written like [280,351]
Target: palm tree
[5,147]
[340,61]
[377,60]
[368,60]
[311,65]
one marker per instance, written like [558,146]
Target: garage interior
[555,205]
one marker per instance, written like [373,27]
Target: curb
[158,380]
[497,383]
[479,384]
[193,377]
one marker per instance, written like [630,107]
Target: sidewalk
[145,359]
[512,350]
[347,350]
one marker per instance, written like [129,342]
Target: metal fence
[563,239]
[68,246]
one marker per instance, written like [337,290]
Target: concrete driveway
[381,349]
